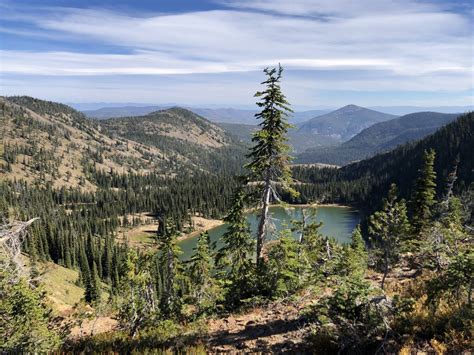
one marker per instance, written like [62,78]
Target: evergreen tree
[354,257]
[92,287]
[388,228]
[283,266]
[234,258]
[425,194]
[204,288]
[25,317]
[269,156]
[170,267]
[138,300]
[307,233]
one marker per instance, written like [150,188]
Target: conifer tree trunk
[263,219]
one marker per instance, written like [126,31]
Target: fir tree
[234,258]
[283,266]
[137,306]
[170,267]
[26,318]
[92,287]
[354,257]
[204,288]
[269,156]
[425,194]
[388,228]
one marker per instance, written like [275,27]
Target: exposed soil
[276,328]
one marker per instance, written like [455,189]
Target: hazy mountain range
[239,115]
[380,137]
[226,115]
[344,123]
[341,136]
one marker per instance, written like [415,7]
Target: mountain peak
[345,122]
[352,107]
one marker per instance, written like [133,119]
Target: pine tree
[204,288]
[283,266]
[354,257]
[388,228]
[425,193]
[170,267]
[138,299]
[92,287]
[269,156]
[234,258]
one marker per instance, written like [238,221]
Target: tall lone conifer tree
[270,159]
[425,197]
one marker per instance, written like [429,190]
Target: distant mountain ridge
[221,115]
[122,111]
[343,123]
[379,137]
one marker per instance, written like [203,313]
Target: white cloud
[407,44]
[346,8]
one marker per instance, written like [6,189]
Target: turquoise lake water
[338,222]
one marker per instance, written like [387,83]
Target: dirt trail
[275,328]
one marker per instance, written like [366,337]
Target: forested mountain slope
[299,141]
[367,182]
[181,134]
[49,143]
[123,111]
[343,123]
[378,138]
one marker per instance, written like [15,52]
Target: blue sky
[335,52]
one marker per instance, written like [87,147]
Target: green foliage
[455,282]
[283,266]
[234,258]
[205,291]
[138,300]
[269,157]
[351,319]
[170,268]
[425,194]
[388,228]
[25,318]
[92,286]
[354,256]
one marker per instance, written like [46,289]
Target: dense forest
[404,282]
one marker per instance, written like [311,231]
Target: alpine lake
[338,222]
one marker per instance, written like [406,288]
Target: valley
[236,177]
[119,191]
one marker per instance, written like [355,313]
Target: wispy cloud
[413,43]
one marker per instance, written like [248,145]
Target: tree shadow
[256,332]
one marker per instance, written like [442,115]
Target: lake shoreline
[219,222]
